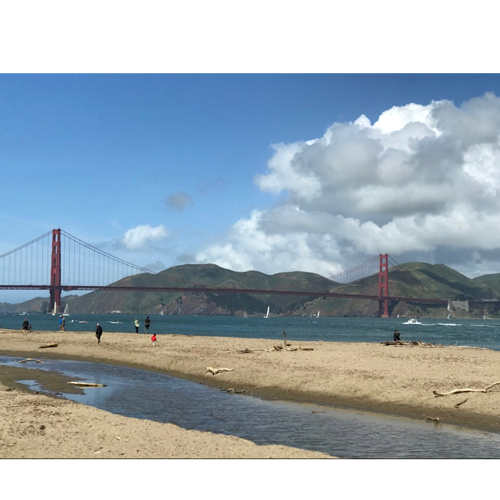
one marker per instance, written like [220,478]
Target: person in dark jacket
[147,324]
[98,333]
[396,335]
[26,325]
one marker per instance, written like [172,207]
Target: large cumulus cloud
[421,183]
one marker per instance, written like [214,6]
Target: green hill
[412,280]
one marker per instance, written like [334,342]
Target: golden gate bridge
[58,261]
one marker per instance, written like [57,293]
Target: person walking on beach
[62,323]
[26,325]
[147,324]
[153,339]
[396,335]
[136,324]
[98,333]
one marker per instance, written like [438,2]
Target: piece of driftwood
[461,402]
[244,351]
[48,345]
[235,391]
[278,347]
[30,359]
[433,419]
[459,391]
[306,349]
[215,371]
[409,343]
[317,412]
[87,384]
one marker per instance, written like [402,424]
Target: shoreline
[374,378]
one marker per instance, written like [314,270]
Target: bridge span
[85,267]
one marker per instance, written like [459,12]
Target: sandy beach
[395,380]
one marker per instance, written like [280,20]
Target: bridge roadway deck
[246,291]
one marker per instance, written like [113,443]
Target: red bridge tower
[383,286]
[55,271]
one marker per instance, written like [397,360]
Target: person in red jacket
[153,339]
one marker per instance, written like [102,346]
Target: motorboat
[412,321]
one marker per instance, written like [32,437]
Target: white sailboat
[317,315]
[267,314]
[161,312]
[54,312]
[66,310]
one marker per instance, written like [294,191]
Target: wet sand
[394,380]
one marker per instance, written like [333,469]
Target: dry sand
[385,379]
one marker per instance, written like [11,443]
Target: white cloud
[421,179]
[140,237]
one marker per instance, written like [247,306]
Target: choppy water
[194,406]
[477,333]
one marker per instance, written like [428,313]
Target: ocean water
[349,434]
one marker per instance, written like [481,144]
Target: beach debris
[215,371]
[278,347]
[459,391]
[318,411]
[87,384]
[305,348]
[47,345]
[461,402]
[433,419]
[30,359]
[410,343]
[244,351]
[470,347]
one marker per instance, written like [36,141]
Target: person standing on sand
[98,333]
[26,325]
[147,324]
[62,323]
[396,335]
[153,339]
[136,324]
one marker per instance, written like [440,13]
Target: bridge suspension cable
[82,264]
[85,264]
[356,273]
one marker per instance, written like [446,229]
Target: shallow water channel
[150,395]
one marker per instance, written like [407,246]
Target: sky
[267,172]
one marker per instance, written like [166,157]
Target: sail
[267,314]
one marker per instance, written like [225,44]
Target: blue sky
[167,169]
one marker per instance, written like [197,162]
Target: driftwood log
[48,345]
[433,419]
[410,343]
[30,359]
[215,371]
[459,391]
[461,402]
[87,384]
